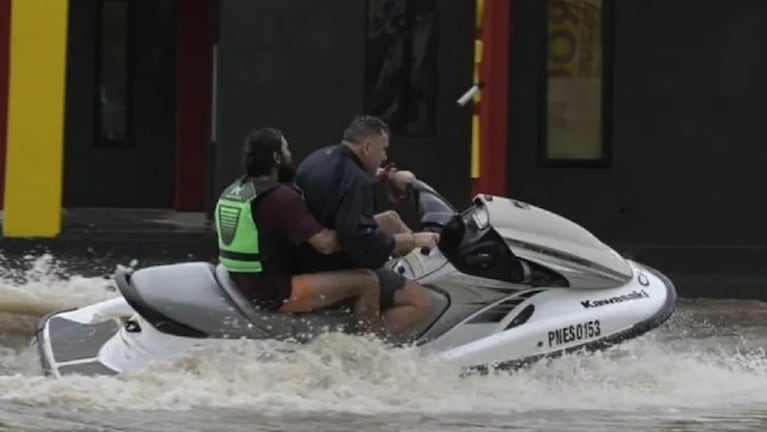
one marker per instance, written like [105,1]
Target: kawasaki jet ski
[512,283]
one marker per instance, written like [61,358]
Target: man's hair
[260,147]
[364,126]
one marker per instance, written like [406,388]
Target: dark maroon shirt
[281,217]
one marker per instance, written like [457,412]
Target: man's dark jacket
[340,194]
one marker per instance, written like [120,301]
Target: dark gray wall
[299,65]
[296,65]
[443,159]
[683,189]
[140,174]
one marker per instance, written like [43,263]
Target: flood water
[705,370]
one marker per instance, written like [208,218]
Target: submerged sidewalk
[94,241]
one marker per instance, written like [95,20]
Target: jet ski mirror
[435,221]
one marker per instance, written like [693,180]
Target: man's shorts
[390,282]
[300,298]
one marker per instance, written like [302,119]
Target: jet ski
[512,284]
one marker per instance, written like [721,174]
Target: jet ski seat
[185,300]
[196,299]
[234,295]
[199,299]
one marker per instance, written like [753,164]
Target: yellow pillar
[478,48]
[34,158]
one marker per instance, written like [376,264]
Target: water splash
[696,362]
[40,285]
[345,374]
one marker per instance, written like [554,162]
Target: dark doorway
[120,113]
[419,58]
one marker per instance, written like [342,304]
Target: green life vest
[239,245]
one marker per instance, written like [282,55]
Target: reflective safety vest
[239,246]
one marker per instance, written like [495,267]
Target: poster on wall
[574,72]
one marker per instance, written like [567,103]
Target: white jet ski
[512,283]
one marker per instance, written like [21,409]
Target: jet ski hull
[524,326]
[511,283]
[558,321]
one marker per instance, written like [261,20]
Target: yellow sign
[574,113]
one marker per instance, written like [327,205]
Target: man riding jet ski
[338,183]
[508,283]
[260,221]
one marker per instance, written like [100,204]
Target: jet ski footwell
[70,347]
[71,341]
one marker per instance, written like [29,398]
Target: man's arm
[364,242]
[325,242]
[300,226]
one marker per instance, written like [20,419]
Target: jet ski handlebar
[429,200]
[434,211]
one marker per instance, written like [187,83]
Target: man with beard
[260,222]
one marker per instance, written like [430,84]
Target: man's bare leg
[412,305]
[404,304]
[320,290]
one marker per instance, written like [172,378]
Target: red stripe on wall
[5,31]
[493,109]
[193,77]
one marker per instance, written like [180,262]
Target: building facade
[108,106]
[612,113]
[153,98]
[641,121]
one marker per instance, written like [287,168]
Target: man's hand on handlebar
[406,242]
[428,240]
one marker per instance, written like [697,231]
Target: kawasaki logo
[636,295]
